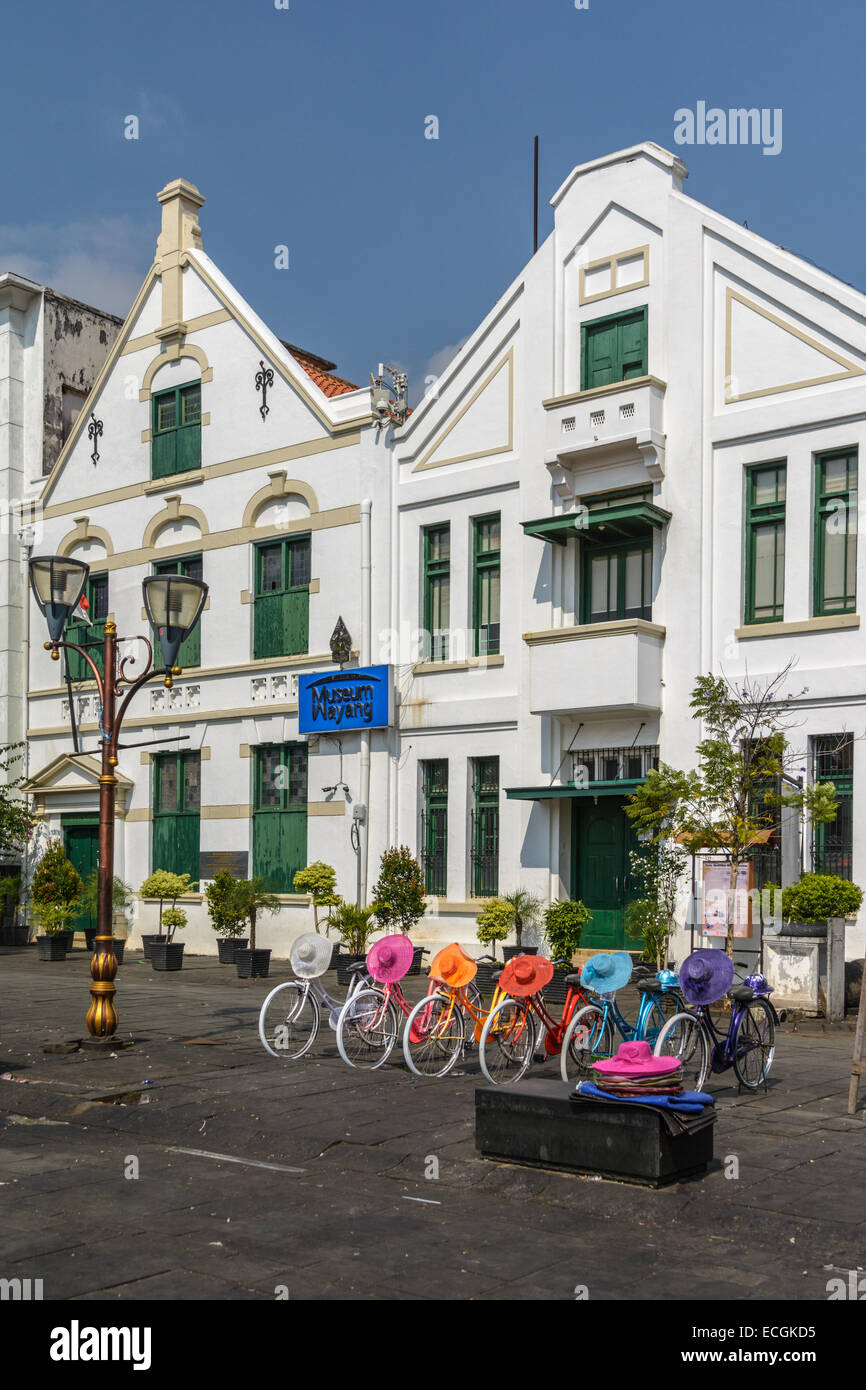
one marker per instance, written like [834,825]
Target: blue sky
[305,127]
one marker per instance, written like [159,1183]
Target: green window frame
[434,826]
[486,578]
[177,812]
[835,550]
[191,567]
[485,827]
[833,841]
[616,581]
[766,487]
[280,778]
[176,430]
[281,611]
[437,591]
[614,349]
[90,635]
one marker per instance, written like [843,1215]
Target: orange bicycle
[435,1031]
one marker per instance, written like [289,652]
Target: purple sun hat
[705,976]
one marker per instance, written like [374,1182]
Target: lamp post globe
[57,582]
[173,603]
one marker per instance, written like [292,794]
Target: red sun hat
[525,975]
[636,1059]
[389,959]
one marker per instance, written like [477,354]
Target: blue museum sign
[335,700]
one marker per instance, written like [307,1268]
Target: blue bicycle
[590,1036]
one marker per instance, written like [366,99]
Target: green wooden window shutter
[614,349]
[90,635]
[765,543]
[437,591]
[434,827]
[616,582]
[191,567]
[485,828]
[280,814]
[835,549]
[281,620]
[176,812]
[486,573]
[176,430]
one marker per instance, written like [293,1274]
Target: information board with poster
[716,885]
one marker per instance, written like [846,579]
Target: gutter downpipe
[366,624]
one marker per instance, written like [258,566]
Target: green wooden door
[601,841]
[81,842]
[280,814]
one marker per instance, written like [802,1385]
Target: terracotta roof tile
[320,370]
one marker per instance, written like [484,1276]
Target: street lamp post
[173,604]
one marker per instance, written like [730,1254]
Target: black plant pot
[417,961]
[118,951]
[484,977]
[253,965]
[509,951]
[555,992]
[343,962]
[228,946]
[14,936]
[168,956]
[335,957]
[51,947]
[147,943]
[67,937]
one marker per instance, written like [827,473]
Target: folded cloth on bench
[685,1113]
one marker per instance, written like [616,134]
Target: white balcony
[600,668]
[627,416]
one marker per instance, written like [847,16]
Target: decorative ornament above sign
[337,700]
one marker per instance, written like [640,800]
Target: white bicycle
[291,1015]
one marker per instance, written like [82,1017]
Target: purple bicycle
[701,1043]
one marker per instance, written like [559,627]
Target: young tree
[17,820]
[730,802]
[525,908]
[399,899]
[252,897]
[166,886]
[320,881]
[658,866]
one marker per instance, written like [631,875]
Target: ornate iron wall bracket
[94,433]
[264,379]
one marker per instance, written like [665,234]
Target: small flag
[82,613]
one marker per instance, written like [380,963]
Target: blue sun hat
[606,972]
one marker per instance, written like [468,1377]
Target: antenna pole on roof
[535,199]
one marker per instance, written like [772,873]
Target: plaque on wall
[217,861]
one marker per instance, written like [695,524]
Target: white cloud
[101,262]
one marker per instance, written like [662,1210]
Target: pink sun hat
[636,1059]
[389,959]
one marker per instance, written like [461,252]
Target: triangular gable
[484,425]
[766,355]
[66,773]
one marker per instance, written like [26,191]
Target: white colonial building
[642,466]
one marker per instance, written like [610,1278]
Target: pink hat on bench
[636,1059]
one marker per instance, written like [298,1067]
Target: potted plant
[226,916]
[253,897]
[563,925]
[399,897]
[356,927]
[121,897]
[808,905]
[493,923]
[168,953]
[320,881]
[14,932]
[524,909]
[167,887]
[56,893]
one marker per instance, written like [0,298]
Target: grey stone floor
[344,1211]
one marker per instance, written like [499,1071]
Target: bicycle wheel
[655,1020]
[588,1038]
[684,1037]
[289,1021]
[507,1042]
[367,1030]
[433,1035]
[754,1044]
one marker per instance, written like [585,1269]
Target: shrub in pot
[494,922]
[56,894]
[168,953]
[167,887]
[121,897]
[564,921]
[525,908]
[356,927]
[815,899]
[226,916]
[319,880]
[253,896]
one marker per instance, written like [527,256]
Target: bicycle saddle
[742,994]
[650,983]
[573,979]
[358,967]
[494,975]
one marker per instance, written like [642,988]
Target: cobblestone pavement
[329,1197]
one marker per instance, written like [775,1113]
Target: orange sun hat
[525,975]
[453,967]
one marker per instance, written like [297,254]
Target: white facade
[750,356]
